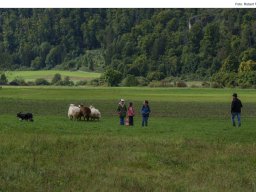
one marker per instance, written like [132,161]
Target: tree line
[199,44]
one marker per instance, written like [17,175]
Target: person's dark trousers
[131,120]
[144,121]
[238,119]
[121,120]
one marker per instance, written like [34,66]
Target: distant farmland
[48,75]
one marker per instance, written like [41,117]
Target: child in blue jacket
[145,111]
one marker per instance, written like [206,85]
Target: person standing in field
[130,113]
[145,111]
[236,106]
[121,110]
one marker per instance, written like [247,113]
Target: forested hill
[141,42]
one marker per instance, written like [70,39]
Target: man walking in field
[236,106]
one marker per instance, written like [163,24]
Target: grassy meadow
[189,144]
[48,75]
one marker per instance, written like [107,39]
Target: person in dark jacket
[145,111]
[236,106]
[121,110]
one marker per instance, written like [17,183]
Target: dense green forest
[152,43]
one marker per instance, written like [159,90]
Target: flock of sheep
[79,112]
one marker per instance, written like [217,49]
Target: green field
[189,144]
[48,75]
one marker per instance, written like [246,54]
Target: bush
[245,86]
[95,82]
[81,83]
[165,83]
[36,63]
[156,75]
[181,84]
[130,80]
[18,81]
[155,84]
[31,83]
[3,79]
[171,79]
[41,81]
[216,85]
[64,83]
[225,79]
[247,78]
[14,83]
[83,68]
[67,82]
[112,77]
[206,84]
[56,79]
[142,81]
[247,66]
[160,84]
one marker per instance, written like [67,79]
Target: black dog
[25,116]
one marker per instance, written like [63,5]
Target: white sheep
[95,113]
[74,112]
